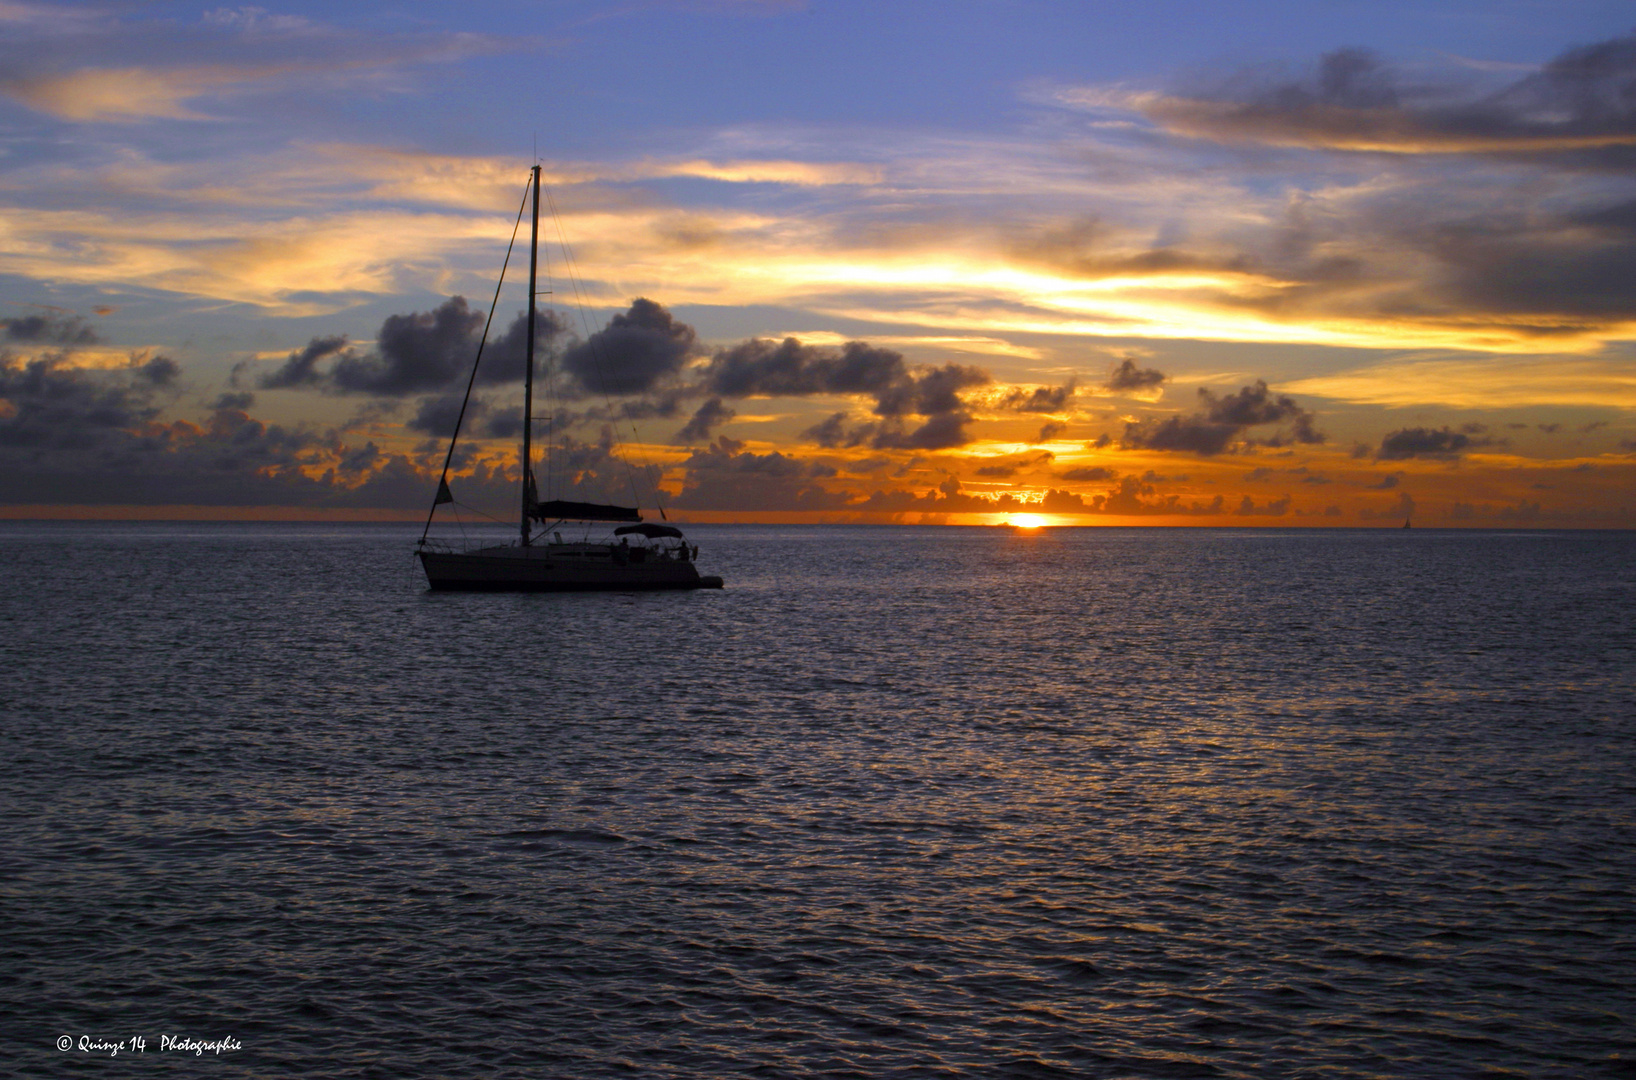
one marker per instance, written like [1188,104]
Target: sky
[1317,263]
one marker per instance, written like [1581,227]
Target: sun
[1027,521]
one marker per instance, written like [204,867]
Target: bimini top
[652,532]
[554,509]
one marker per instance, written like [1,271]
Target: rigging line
[596,356]
[479,513]
[443,477]
[557,484]
[590,341]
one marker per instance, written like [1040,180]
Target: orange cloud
[1482,383]
[122,95]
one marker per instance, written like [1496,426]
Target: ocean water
[897,802]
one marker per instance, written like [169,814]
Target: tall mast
[529,496]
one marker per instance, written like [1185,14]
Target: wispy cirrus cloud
[1493,216]
[1361,265]
[1119,237]
[93,67]
[486,182]
[46,18]
[1468,382]
[131,94]
[1352,100]
[292,266]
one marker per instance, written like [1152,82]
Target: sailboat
[637,554]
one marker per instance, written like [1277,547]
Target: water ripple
[896,803]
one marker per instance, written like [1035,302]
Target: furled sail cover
[652,532]
[553,509]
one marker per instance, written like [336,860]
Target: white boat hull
[558,568]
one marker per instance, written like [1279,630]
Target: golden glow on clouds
[126,94]
[277,265]
[963,284]
[987,346]
[1033,250]
[1488,383]
[297,51]
[799,173]
[694,258]
[133,94]
[83,357]
[484,183]
[752,262]
[1176,318]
